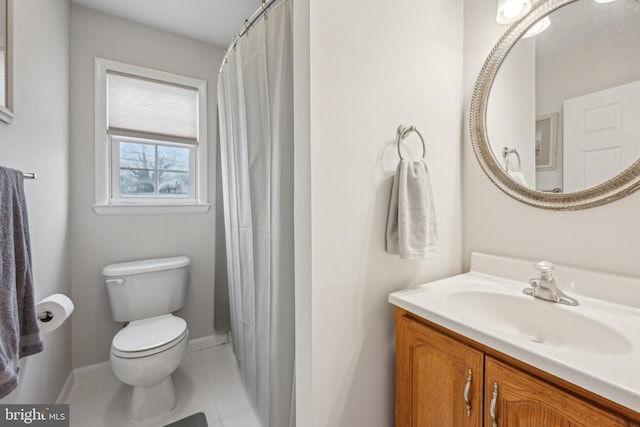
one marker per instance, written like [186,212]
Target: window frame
[105,202]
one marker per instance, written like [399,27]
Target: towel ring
[505,154]
[403,131]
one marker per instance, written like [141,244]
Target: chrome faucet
[544,286]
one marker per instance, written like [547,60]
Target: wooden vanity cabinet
[524,401]
[434,374]
[433,386]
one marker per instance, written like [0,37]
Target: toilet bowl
[153,343]
[144,355]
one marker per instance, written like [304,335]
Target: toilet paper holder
[53,311]
[45,316]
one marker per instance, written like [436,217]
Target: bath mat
[195,420]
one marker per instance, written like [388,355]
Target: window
[147,168]
[151,145]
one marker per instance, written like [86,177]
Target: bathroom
[359,72]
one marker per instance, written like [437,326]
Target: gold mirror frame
[617,187]
[6,111]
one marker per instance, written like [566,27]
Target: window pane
[150,169]
[173,158]
[137,156]
[174,183]
[137,182]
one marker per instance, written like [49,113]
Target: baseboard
[104,368]
[63,397]
[92,371]
[201,343]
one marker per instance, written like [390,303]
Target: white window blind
[139,106]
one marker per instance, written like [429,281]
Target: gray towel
[19,330]
[411,224]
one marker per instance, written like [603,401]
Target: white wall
[302,213]
[511,110]
[603,238]
[99,240]
[372,68]
[37,141]
[617,63]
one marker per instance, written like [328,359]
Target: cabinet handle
[492,407]
[466,392]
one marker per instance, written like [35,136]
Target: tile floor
[207,381]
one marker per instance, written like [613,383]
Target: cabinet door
[432,373]
[525,401]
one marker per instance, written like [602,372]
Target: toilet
[153,343]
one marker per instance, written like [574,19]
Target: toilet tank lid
[145,266]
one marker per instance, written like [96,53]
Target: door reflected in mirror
[583,74]
[6,66]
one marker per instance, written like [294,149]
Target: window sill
[125,209]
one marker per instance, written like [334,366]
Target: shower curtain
[255,104]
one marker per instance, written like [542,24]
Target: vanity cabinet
[523,400]
[436,377]
[443,381]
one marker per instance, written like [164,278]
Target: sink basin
[539,321]
[595,345]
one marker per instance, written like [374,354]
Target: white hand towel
[411,224]
[518,177]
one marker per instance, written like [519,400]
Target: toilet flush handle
[118,281]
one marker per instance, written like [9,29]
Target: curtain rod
[248,23]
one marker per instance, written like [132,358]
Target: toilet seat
[149,336]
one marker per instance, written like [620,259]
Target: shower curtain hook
[246,27]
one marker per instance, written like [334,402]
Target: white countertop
[614,374]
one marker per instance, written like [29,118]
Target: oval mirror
[555,116]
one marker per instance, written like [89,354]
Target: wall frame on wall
[546,142]
[6,61]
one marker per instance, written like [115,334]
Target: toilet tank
[146,288]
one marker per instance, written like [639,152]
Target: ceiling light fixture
[604,1]
[537,28]
[511,10]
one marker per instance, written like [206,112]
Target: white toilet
[150,348]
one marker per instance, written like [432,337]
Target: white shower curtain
[255,104]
